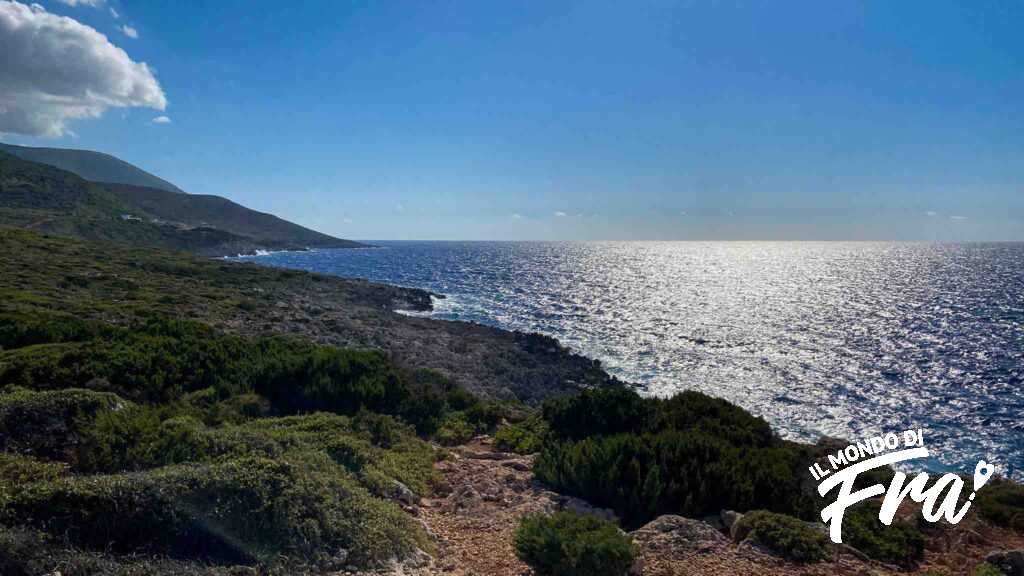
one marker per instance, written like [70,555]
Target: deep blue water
[844,339]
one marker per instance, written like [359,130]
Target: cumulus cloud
[161,120]
[90,3]
[129,31]
[561,214]
[54,69]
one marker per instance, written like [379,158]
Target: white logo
[886,450]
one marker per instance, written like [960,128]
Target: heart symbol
[982,472]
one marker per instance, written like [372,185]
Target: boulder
[681,533]
[583,507]
[466,497]
[518,465]
[1009,562]
[404,495]
[729,518]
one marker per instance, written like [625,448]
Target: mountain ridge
[91,165]
[47,199]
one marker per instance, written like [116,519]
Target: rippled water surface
[844,339]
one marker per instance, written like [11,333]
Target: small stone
[517,465]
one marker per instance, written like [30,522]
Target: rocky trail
[473,522]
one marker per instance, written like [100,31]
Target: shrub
[18,469]
[599,412]
[242,510]
[137,439]
[455,430]
[1002,503]
[164,361]
[45,424]
[19,330]
[571,544]
[900,543]
[791,538]
[524,437]
[690,455]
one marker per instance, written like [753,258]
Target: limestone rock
[580,506]
[729,518]
[404,494]
[679,533]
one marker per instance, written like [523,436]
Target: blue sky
[582,120]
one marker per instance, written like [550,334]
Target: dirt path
[473,527]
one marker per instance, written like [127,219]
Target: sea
[849,340]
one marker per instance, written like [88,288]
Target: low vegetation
[524,437]
[788,537]
[169,438]
[900,544]
[571,544]
[691,455]
[1002,503]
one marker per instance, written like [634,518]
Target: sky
[546,120]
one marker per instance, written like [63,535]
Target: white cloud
[129,31]
[931,213]
[958,217]
[161,120]
[400,207]
[54,69]
[561,214]
[90,3]
[517,216]
[115,13]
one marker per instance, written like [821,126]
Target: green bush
[20,330]
[690,455]
[165,361]
[901,544]
[524,437]
[455,430]
[1002,503]
[791,538]
[571,544]
[599,412]
[18,469]
[46,424]
[376,449]
[245,510]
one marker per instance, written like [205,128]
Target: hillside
[221,213]
[47,199]
[94,166]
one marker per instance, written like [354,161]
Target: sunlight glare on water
[840,339]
